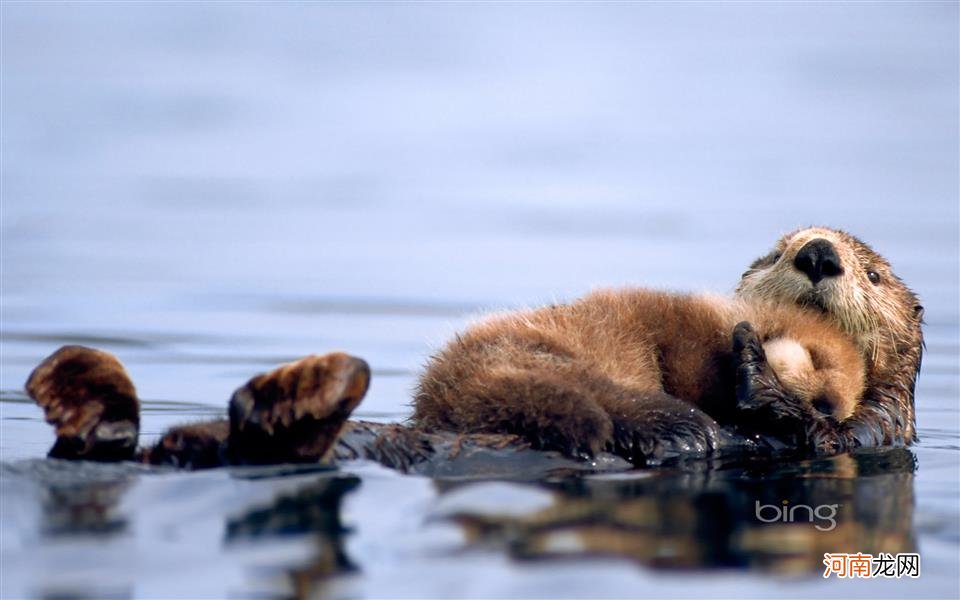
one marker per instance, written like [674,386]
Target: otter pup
[826,354]
[637,372]
[818,360]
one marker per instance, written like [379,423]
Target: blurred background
[209,189]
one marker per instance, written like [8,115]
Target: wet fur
[825,367]
[659,370]
[637,372]
[292,414]
[884,319]
[88,397]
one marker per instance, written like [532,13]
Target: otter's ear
[918,312]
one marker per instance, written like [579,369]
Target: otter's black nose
[818,259]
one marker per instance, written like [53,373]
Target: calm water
[207,190]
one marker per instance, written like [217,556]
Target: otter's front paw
[760,395]
[580,433]
[826,437]
[654,427]
[294,413]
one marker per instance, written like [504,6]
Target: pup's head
[837,274]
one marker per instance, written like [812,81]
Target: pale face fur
[866,300]
[792,364]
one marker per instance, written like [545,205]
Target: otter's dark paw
[196,446]
[578,433]
[767,408]
[826,437]
[88,396]
[656,427]
[760,396]
[294,413]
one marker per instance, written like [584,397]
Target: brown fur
[195,446]
[575,377]
[631,370]
[642,373]
[884,319]
[295,412]
[291,414]
[88,396]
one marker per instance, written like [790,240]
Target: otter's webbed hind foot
[295,412]
[291,414]
[88,397]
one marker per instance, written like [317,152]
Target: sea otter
[819,349]
[835,274]
[635,371]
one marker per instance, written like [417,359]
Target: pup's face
[835,273]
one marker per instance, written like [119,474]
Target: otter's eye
[874,277]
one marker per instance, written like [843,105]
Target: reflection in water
[80,514]
[693,515]
[75,498]
[91,515]
[315,510]
[88,508]
[773,517]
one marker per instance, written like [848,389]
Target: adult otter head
[838,275]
